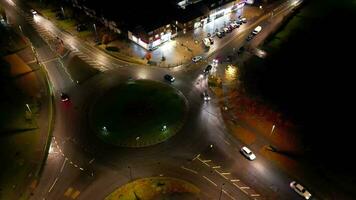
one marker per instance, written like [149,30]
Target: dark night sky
[312,81]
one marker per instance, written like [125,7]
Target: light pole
[28,107]
[96,33]
[274,126]
[62,11]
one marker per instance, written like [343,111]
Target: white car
[197,58]
[243,20]
[257,30]
[33,12]
[207,42]
[248,153]
[298,188]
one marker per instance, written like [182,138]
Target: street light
[272,129]
[96,33]
[28,107]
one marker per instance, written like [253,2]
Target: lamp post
[96,33]
[274,126]
[62,9]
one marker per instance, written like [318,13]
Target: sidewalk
[180,50]
[184,47]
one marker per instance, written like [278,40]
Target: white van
[207,42]
[257,30]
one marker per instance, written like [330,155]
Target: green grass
[138,109]
[18,142]
[79,70]
[156,188]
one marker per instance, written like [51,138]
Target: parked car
[197,58]
[64,97]
[226,30]
[249,37]
[220,34]
[211,40]
[33,12]
[243,20]
[298,188]
[234,24]
[169,78]
[206,96]
[257,30]
[241,50]
[248,153]
[206,42]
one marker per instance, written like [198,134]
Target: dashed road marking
[210,181]
[229,195]
[55,181]
[193,171]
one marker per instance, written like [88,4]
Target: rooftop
[150,15]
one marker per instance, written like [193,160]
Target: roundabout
[138,113]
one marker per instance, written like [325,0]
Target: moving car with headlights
[169,78]
[207,69]
[248,153]
[33,12]
[64,97]
[298,188]
[206,96]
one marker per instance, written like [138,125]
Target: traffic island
[156,188]
[138,113]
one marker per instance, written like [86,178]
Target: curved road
[79,166]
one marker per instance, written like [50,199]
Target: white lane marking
[255,195]
[216,167]
[64,163]
[229,195]
[244,187]
[206,178]
[227,142]
[92,160]
[55,181]
[193,171]
[226,173]
[234,180]
[197,156]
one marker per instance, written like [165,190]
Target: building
[151,23]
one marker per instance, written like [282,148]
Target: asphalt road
[80,166]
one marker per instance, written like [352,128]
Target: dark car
[207,69]
[64,97]
[169,78]
[241,50]
[81,27]
[249,38]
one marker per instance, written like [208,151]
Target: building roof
[149,15]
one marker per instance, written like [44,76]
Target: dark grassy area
[79,70]
[18,138]
[139,109]
[308,76]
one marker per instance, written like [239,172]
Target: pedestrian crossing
[51,39]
